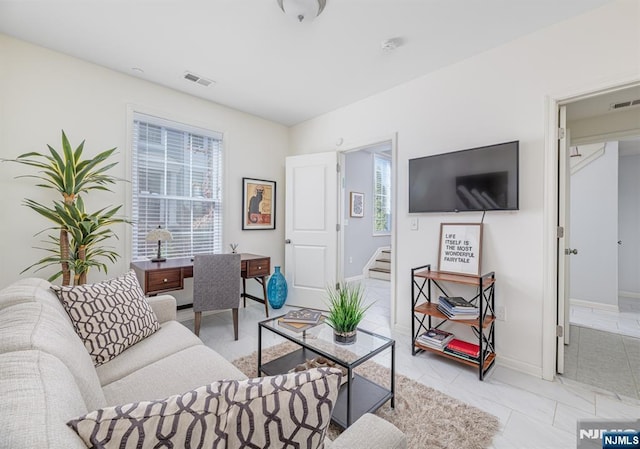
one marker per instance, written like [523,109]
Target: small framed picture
[258,204]
[356,204]
[460,249]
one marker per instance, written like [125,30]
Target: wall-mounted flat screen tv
[477,179]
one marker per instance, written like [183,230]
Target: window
[381,195]
[176,184]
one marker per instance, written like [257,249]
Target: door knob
[288,241]
[619,242]
[570,251]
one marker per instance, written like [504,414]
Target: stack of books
[435,338]
[463,350]
[456,308]
[300,320]
[306,316]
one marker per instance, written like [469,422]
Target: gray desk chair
[216,286]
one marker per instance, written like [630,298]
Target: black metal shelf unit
[423,282]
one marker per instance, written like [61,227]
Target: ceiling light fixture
[302,10]
[389,45]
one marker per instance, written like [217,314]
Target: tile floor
[533,413]
[626,322]
[604,359]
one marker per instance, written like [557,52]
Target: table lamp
[161,235]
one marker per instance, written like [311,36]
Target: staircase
[381,267]
[583,155]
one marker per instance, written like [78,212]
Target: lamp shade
[159,234]
[302,10]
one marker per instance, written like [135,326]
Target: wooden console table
[162,277]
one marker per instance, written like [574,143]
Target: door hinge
[338,227]
[338,167]
[559,232]
[561,133]
[559,331]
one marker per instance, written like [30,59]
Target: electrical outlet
[350,259]
[501,313]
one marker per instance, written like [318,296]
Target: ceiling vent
[624,104]
[197,79]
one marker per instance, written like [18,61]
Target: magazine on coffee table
[299,327]
[307,316]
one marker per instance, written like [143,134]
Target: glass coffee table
[358,395]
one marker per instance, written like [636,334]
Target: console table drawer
[162,280]
[258,267]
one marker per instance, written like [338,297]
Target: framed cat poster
[258,204]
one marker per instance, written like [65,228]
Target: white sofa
[47,377]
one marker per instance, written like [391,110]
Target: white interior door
[564,192]
[311,227]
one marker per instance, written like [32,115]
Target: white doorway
[598,208]
[365,248]
[366,176]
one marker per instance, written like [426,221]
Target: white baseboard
[401,328]
[594,305]
[634,295]
[357,277]
[520,366]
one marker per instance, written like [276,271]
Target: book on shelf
[456,302]
[461,355]
[298,327]
[464,347]
[305,316]
[457,316]
[430,345]
[453,309]
[436,336]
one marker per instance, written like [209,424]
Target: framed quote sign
[460,248]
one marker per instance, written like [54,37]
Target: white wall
[496,96]
[620,122]
[629,213]
[42,92]
[359,242]
[594,230]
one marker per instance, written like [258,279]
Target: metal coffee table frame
[358,395]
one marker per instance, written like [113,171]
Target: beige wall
[496,96]
[42,92]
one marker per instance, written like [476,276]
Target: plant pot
[345,338]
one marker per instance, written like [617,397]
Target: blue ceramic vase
[277,289]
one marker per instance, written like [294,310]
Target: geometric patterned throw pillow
[109,316]
[285,411]
[195,419]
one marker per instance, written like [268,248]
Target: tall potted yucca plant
[78,244]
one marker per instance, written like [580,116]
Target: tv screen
[478,179]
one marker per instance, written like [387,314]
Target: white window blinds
[176,184]
[382,195]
